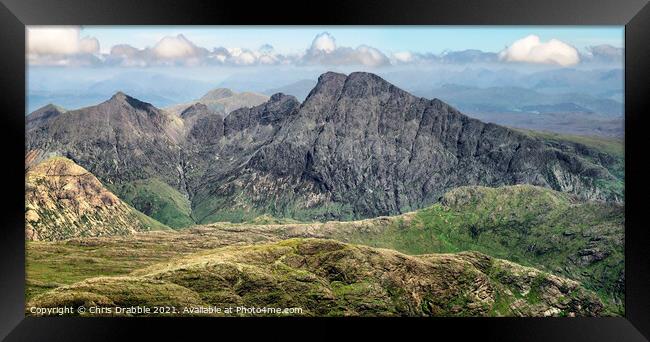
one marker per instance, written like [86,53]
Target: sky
[390,38]
[379,46]
[79,65]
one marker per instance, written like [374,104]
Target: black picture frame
[634,14]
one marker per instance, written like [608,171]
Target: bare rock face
[204,129]
[122,139]
[361,147]
[356,147]
[63,200]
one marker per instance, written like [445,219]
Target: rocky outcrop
[63,201]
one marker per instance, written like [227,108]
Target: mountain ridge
[357,147]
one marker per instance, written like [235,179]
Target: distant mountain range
[521,100]
[163,90]
[357,147]
[223,100]
[502,100]
[299,89]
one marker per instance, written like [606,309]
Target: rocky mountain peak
[364,84]
[328,83]
[43,114]
[358,146]
[216,94]
[194,109]
[279,97]
[120,98]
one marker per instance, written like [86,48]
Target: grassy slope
[529,225]
[158,200]
[525,224]
[610,146]
[328,278]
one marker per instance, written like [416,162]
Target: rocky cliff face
[360,147]
[63,200]
[356,147]
[122,139]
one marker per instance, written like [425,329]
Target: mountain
[299,89]
[522,100]
[223,100]
[361,147]
[329,278]
[44,114]
[115,140]
[356,147]
[63,201]
[161,89]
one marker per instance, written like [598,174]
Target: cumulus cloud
[88,45]
[531,49]
[176,48]
[403,56]
[324,42]
[60,46]
[324,51]
[170,50]
[55,41]
[64,46]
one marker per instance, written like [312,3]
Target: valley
[361,200]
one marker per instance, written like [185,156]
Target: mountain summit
[357,147]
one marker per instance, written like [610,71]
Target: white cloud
[64,46]
[323,42]
[60,45]
[89,45]
[531,50]
[244,58]
[175,47]
[323,50]
[370,56]
[403,56]
[53,40]
[59,41]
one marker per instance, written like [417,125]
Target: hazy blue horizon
[516,70]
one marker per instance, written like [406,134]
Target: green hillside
[158,200]
[524,224]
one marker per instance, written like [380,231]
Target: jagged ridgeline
[357,147]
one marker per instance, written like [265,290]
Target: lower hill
[158,200]
[537,227]
[532,226]
[63,201]
[329,278]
